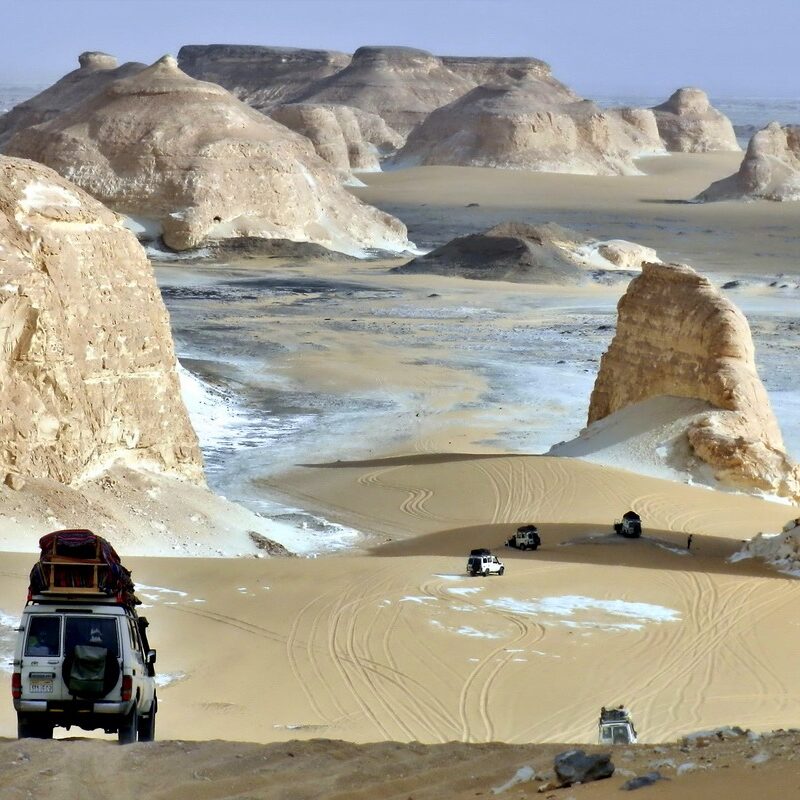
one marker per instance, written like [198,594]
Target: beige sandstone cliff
[206,167]
[688,123]
[678,336]
[347,138]
[532,124]
[96,70]
[770,169]
[87,367]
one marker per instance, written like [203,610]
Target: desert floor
[423,443]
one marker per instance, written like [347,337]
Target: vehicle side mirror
[151,657]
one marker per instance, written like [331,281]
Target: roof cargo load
[82,564]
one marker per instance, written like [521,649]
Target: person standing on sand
[689,541]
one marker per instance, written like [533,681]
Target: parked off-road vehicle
[86,664]
[615,726]
[630,526]
[526,538]
[484,564]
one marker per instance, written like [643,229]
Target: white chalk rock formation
[779,550]
[532,124]
[678,336]
[688,123]
[347,138]
[86,359]
[162,146]
[96,71]
[770,169]
[516,251]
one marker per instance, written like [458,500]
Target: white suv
[84,664]
[482,562]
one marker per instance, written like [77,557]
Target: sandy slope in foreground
[399,645]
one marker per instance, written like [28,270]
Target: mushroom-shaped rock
[164,147]
[688,123]
[677,336]
[532,124]
[87,365]
[770,169]
[96,71]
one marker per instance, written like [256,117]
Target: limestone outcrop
[86,363]
[678,336]
[96,70]
[262,77]
[189,156]
[347,138]
[516,251]
[770,169]
[535,125]
[688,123]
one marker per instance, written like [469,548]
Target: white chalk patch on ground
[168,678]
[465,590]
[522,775]
[155,592]
[569,605]
[466,630]
[417,599]
[449,577]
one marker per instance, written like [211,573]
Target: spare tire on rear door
[90,672]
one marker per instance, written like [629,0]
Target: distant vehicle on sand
[615,726]
[630,526]
[526,538]
[482,562]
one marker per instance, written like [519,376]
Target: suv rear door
[41,657]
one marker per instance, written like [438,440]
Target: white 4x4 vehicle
[484,563]
[86,664]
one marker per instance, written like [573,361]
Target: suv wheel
[147,725]
[502,570]
[486,573]
[128,727]
[26,729]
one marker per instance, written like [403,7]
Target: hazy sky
[728,47]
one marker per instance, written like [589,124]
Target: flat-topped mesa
[205,167]
[96,71]
[677,336]
[262,77]
[347,138]
[400,84]
[770,169]
[688,123]
[87,365]
[532,124]
[486,69]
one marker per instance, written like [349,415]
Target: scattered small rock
[472,205]
[268,546]
[14,481]
[643,780]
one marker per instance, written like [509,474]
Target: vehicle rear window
[94,631]
[44,636]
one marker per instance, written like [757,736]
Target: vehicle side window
[93,631]
[136,643]
[44,636]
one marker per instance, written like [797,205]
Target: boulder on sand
[677,336]
[688,123]
[188,155]
[770,169]
[87,365]
[516,251]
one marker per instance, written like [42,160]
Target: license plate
[41,685]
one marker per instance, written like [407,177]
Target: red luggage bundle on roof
[79,562]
